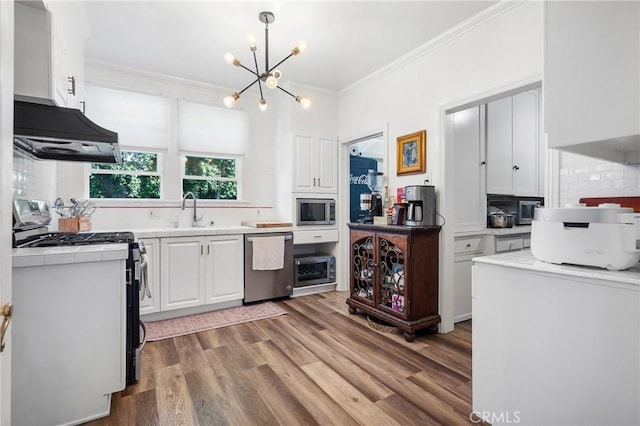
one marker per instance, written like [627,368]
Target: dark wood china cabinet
[394,275]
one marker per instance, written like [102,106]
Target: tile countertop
[41,256]
[525,260]
[203,231]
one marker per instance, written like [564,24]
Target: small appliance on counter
[607,236]
[421,205]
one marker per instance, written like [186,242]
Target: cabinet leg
[352,310]
[409,337]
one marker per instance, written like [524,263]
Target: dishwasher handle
[286,238]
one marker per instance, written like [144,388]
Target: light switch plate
[153,213]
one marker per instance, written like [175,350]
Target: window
[137,177]
[211,177]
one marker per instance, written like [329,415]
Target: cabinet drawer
[468,245]
[318,236]
[508,243]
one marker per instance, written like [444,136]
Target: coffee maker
[374,182]
[422,205]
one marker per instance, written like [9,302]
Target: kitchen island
[555,344]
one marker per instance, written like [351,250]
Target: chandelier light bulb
[271,82]
[252,40]
[302,46]
[229,102]
[262,105]
[305,103]
[229,58]
[277,74]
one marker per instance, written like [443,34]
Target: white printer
[607,236]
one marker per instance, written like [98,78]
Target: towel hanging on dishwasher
[268,253]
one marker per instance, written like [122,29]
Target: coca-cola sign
[358,180]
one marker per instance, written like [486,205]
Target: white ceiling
[347,40]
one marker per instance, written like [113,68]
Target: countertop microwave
[315,211]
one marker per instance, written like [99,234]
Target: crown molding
[446,37]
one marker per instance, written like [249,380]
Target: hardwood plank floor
[317,365]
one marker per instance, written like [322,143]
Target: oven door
[311,271]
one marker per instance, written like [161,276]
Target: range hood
[56,133]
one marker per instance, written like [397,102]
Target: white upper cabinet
[592,78]
[512,145]
[315,164]
[466,131]
[48,66]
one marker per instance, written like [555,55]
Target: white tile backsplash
[33,179]
[582,177]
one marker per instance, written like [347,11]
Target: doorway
[364,154]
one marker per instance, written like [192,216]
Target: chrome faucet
[184,199]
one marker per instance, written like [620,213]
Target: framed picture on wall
[411,153]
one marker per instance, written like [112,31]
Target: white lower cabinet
[224,269]
[151,304]
[201,270]
[465,249]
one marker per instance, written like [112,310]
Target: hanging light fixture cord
[271,75]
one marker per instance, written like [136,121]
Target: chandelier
[271,76]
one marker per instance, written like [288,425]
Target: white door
[525,143]
[466,134]
[499,150]
[327,161]
[6,158]
[182,274]
[304,174]
[224,268]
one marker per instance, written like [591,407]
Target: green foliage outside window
[210,178]
[139,177]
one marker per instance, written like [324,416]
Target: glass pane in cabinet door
[362,268]
[391,294]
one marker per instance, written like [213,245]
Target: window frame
[158,172]
[237,177]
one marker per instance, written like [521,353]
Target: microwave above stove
[315,211]
[312,269]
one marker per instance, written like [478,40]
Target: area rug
[166,329]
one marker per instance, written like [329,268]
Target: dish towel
[268,253]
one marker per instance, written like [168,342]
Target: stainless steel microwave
[312,269]
[315,211]
[526,209]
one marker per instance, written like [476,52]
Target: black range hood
[57,133]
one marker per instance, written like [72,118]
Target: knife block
[74,224]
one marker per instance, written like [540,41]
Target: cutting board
[623,201]
[260,224]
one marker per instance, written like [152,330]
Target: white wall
[266,168]
[495,49]
[582,177]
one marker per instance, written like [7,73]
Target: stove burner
[56,239]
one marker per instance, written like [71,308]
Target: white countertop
[525,260]
[203,231]
[41,256]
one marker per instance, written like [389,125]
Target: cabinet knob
[483,163]
[516,168]
[314,181]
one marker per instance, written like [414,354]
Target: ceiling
[347,40]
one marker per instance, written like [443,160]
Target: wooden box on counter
[74,224]
[394,275]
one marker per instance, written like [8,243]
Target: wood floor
[317,365]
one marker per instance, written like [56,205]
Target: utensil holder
[74,224]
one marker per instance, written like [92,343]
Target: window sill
[135,203]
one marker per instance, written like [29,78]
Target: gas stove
[56,239]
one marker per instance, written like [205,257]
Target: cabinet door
[591,84]
[152,304]
[462,287]
[362,266]
[392,278]
[224,270]
[466,131]
[525,144]
[61,72]
[182,272]
[303,157]
[326,161]
[499,149]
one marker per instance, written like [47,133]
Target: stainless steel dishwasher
[264,285]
